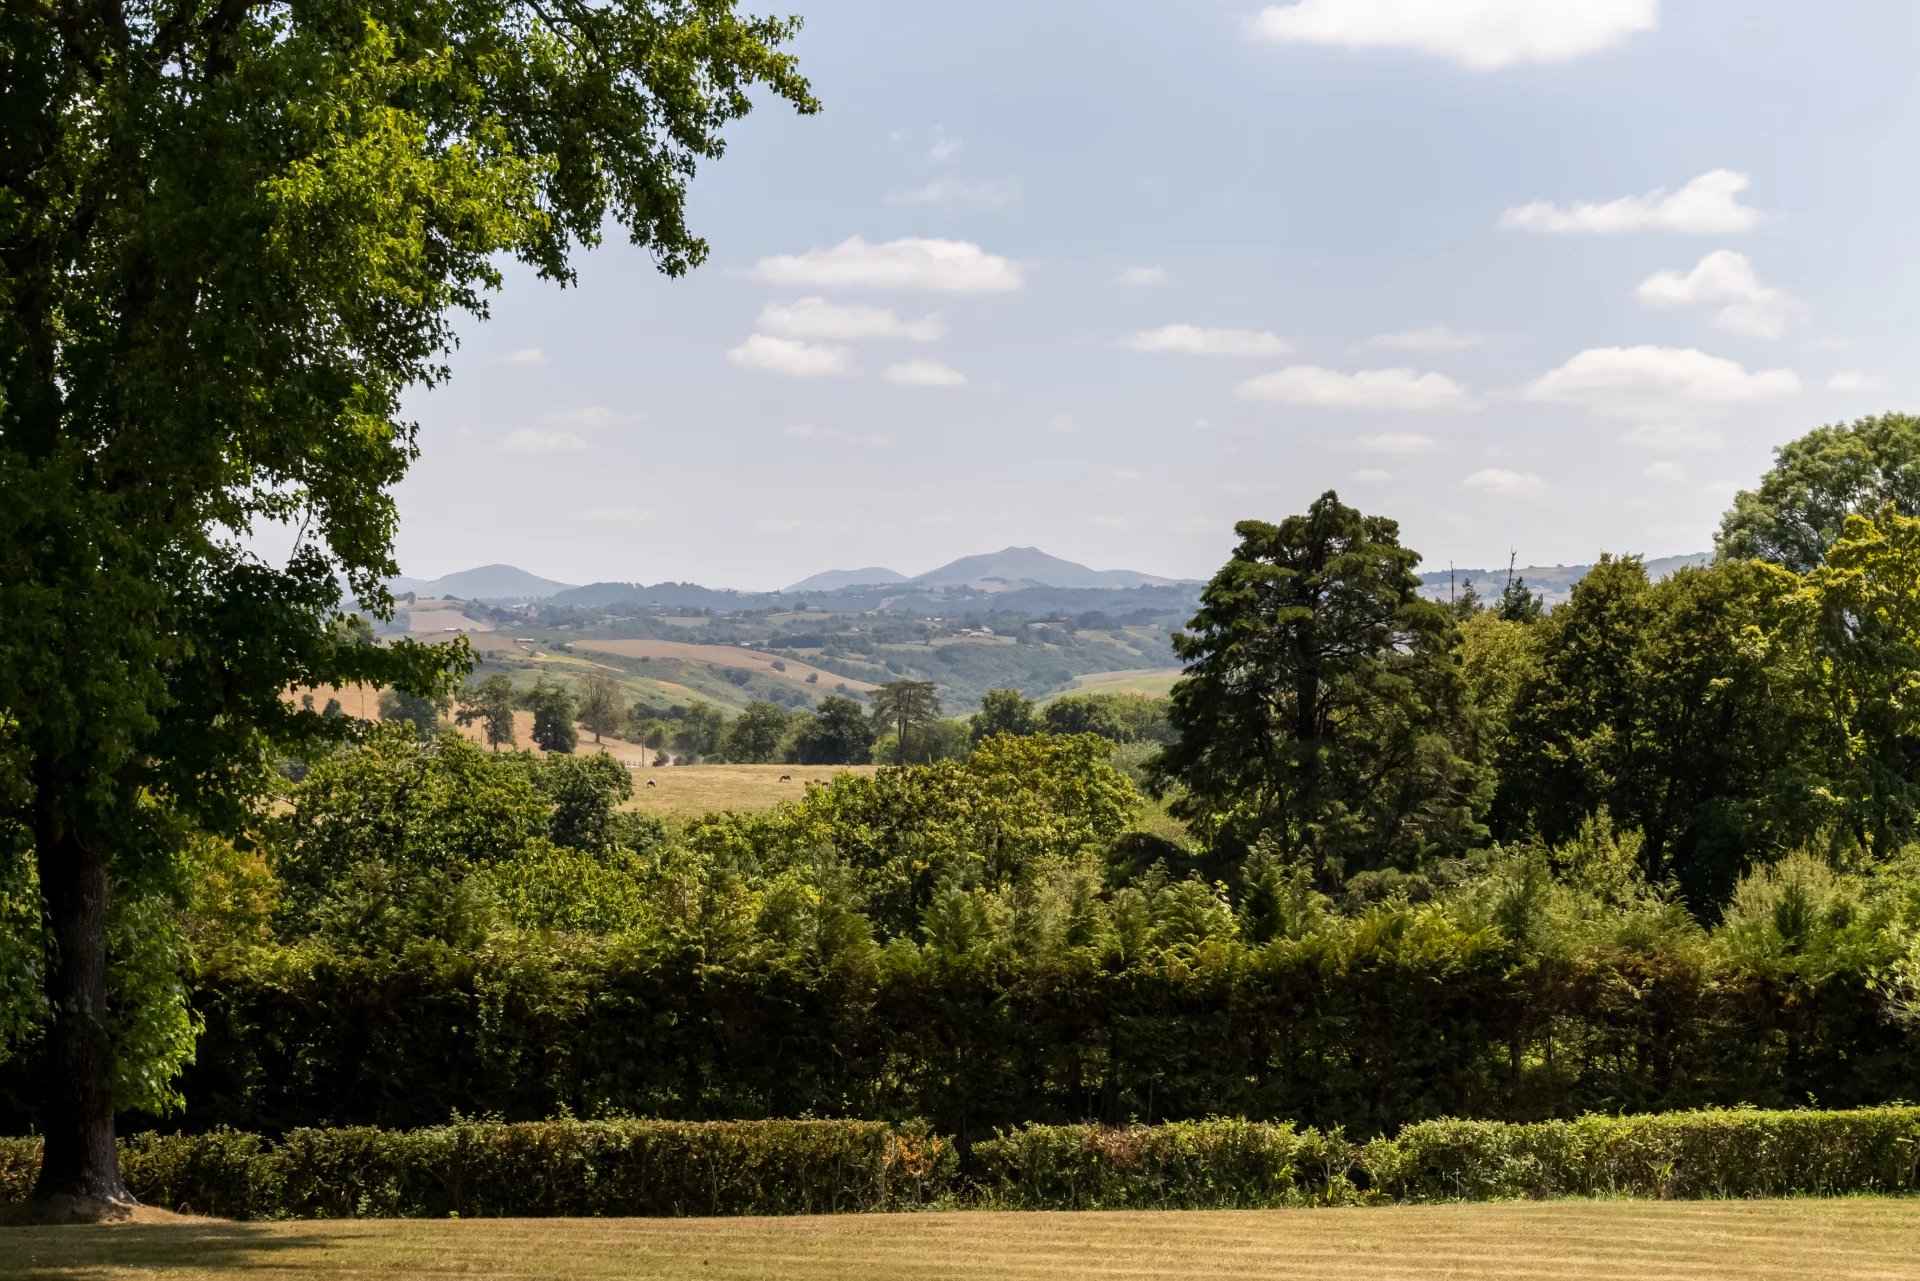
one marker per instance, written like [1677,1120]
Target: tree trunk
[80,1171]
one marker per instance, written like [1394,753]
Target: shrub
[1185,1165]
[1736,1153]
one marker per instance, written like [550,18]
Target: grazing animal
[649,782]
[786,778]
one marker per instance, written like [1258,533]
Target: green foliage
[599,708]
[1003,711]
[1215,1164]
[1321,705]
[702,731]
[905,707]
[1817,482]
[586,791]
[755,736]
[1119,718]
[491,701]
[423,712]
[838,734]
[553,714]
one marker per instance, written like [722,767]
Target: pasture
[1836,1240]
[1153,682]
[722,656]
[687,791]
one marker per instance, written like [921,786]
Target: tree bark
[80,1169]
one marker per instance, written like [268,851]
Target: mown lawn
[1699,1241]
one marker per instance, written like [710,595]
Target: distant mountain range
[1552,582]
[488,582]
[1006,569]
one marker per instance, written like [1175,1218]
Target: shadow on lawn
[90,1252]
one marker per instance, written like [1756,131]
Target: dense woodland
[1379,858]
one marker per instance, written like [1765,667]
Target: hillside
[833,580]
[487,582]
[1024,566]
[1552,582]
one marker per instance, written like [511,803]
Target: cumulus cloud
[525,356]
[1674,438]
[1725,279]
[816,318]
[790,357]
[1484,35]
[1707,206]
[1396,389]
[1434,338]
[1394,442]
[1193,340]
[924,373]
[1640,381]
[533,440]
[1505,482]
[939,266]
[834,435]
[1853,380]
[964,193]
[1143,277]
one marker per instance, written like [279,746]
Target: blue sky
[1552,276]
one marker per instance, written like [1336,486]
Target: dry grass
[1842,1240]
[751,660]
[1154,682]
[685,791]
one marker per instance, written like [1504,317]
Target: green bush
[548,1168]
[1737,1153]
[1184,1165]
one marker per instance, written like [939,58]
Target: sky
[1541,277]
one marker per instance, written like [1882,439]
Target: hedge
[588,1168]
[529,1169]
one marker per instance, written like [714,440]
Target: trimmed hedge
[1184,1165]
[588,1168]
[1741,1153]
[536,1169]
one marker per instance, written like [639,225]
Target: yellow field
[684,791]
[751,660]
[1155,682]
[1841,1240]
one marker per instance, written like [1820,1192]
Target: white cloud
[1143,277]
[1394,442]
[1643,381]
[1707,206]
[1434,338]
[1193,340]
[817,318]
[924,373]
[834,435]
[1483,35]
[1666,473]
[1372,476]
[525,356]
[1506,483]
[965,193]
[1726,278]
[531,440]
[941,266]
[1400,389]
[1674,438]
[1854,380]
[794,359]
[942,148]
[626,516]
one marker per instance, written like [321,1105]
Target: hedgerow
[656,1168]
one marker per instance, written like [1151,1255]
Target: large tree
[904,706]
[1816,482]
[838,734]
[231,235]
[1321,706]
[492,703]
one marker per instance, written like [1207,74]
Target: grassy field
[684,791]
[1154,682]
[721,656]
[1839,1240]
